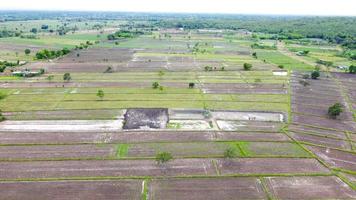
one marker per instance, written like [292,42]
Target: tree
[163,157]
[67,77]
[335,110]
[254,54]
[155,85]
[352,69]
[27,51]
[230,152]
[247,66]
[281,66]
[315,74]
[33,30]
[100,94]
[191,85]
[50,78]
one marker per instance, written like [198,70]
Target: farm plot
[54,67]
[335,158]
[98,55]
[268,166]
[65,125]
[134,137]
[321,140]
[201,189]
[56,190]
[311,109]
[109,114]
[317,131]
[212,149]
[56,152]
[104,168]
[309,187]
[272,149]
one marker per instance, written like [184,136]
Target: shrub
[163,157]
[247,66]
[161,73]
[100,94]
[230,152]
[191,85]
[352,69]
[108,70]
[155,85]
[50,78]
[67,77]
[315,74]
[335,110]
[281,66]
[27,51]
[304,82]
[306,76]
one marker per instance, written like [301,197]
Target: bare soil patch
[59,190]
[56,152]
[206,189]
[95,168]
[136,118]
[304,187]
[335,158]
[270,166]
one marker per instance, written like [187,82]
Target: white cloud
[291,7]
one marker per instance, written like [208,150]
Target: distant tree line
[124,34]
[51,54]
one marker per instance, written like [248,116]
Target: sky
[276,7]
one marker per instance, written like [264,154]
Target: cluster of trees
[84,45]
[262,46]
[7,33]
[200,48]
[210,68]
[124,34]
[50,54]
[5,64]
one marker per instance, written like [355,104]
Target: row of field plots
[232,133]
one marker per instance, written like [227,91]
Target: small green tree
[335,110]
[163,157]
[100,94]
[67,77]
[230,152]
[247,66]
[315,74]
[191,85]
[254,54]
[155,85]
[27,51]
[352,69]
[161,73]
[281,66]
[50,78]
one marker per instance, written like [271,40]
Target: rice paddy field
[232,133]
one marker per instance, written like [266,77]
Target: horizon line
[170,12]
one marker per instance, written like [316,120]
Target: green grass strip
[122,150]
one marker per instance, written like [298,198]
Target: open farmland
[232,132]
